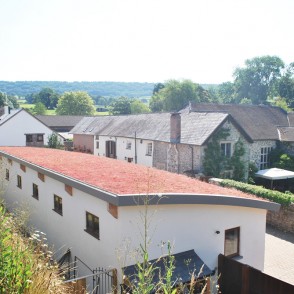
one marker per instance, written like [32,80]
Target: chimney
[175,127]
[6,109]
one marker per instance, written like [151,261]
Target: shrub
[283,198]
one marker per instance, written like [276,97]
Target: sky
[140,40]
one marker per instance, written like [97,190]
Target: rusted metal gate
[238,278]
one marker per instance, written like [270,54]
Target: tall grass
[26,264]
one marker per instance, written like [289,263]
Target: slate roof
[196,128]
[260,122]
[59,120]
[286,134]
[291,119]
[185,263]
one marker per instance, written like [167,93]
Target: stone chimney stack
[175,127]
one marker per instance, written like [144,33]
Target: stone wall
[255,150]
[177,157]
[283,220]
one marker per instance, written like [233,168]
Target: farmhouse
[177,142]
[94,206]
[20,128]
[174,142]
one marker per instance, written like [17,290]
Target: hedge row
[279,197]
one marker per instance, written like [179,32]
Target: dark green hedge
[279,197]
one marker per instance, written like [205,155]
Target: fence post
[245,279]
[114,283]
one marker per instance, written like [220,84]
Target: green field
[23,104]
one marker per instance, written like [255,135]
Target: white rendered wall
[122,153]
[12,132]
[66,231]
[194,226]
[186,226]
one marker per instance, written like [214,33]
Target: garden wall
[283,220]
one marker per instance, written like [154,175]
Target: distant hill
[106,89]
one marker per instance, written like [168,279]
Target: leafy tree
[3,98]
[8,100]
[226,92]
[138,106]
[176,95]
[122,105]
[75,103]
[157,87]
[39,108]
[156,103]
[53,141]
[258,79]
[214,161]
[286,86]
[31,98]
[48,97]
[237,163]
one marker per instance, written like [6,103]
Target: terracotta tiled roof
[116,176]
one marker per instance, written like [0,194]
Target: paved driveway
[279,255]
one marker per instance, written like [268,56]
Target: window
[58,204]
[97,137]
[35,191]
[29,138]
[264,157]
[129,145]
[149,149]
[7,174]
[97,144]
[226,149]
[92,225]
[232,242]
[19,185]
[40,138]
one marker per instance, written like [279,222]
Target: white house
[94,206]
[20,128]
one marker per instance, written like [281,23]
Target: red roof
[116,176]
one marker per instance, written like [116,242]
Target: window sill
[57,211]
[92,234]
[19,187]
[148,154]
[35,197]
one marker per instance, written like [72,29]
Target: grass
[26,264]
[23,104]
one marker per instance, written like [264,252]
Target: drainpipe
[192,153]
[135,147]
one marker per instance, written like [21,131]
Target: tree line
[263,80]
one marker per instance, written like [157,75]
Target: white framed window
[129,145]
[264,157]
[226,149]
[97,137]
[149,149]
[97,144]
